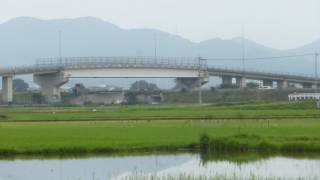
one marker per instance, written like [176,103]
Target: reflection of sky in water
[275,167]
[118,167]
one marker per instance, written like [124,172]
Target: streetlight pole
[200,82]
[316,54]
[155,44]
[60,51]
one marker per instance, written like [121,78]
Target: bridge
[51,74]
[282,79]
[190,73]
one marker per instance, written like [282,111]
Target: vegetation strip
[235,143]
[168,118]
[82,151]
[251,142]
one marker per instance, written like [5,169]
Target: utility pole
[200,82]
[155,44]
[59,46]
[316,54]
[243,50]
[243,56]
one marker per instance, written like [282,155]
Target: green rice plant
[67,130]
[249,142]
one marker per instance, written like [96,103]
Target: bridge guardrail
[94,62]
[56,64]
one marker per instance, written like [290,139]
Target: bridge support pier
[267,82]
[241,82]
[283,84]
[315,86]
[226,80]
[189,84]
[50,85]
[7,89]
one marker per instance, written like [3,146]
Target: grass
[232,95]
[167,112]
[247,142]
[139,176]
[79,130]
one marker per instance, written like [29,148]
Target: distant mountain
[233,48]
[24,39]
[308,48]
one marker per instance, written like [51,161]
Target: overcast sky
[280,24]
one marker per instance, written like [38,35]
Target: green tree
[131,98]
[252,85]
[79,89]
[143,86]
[38,98]
[19,85]
[229,86]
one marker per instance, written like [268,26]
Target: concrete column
[226,80]
[7,89]
[306,85]
[189,84]
[315,86]
[50,85]
[267,82]
[241,82]
[283,84]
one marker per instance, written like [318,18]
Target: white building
[304,96]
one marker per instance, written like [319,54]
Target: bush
[204,142]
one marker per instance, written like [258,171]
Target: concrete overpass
[51,74]
[268,78]
[190,73]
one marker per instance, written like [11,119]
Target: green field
[250,110]
[68,130]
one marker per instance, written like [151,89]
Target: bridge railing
[25,70]
[95,62]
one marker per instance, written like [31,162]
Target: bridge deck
[78,63]
[217,71]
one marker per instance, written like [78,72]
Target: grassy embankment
[243,127]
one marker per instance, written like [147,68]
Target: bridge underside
[50,83]
[132,73]
[189,84]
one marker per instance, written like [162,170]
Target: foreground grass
[82,130]
[94,137]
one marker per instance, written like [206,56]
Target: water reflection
[161,165]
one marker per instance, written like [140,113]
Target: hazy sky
[276,23]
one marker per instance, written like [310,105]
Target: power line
[259,58]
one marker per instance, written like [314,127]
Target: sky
[281,24]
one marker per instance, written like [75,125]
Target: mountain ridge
[25,39]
